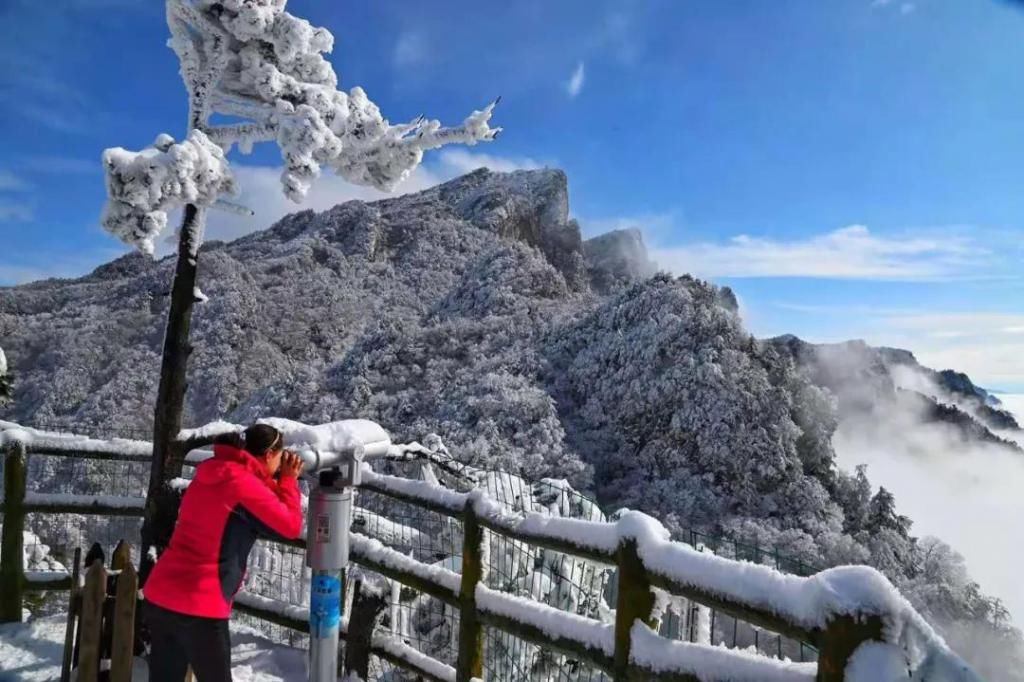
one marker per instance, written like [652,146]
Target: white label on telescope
[323,528]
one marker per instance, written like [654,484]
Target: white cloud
[9,182]
[848,253]
[574,86]
[410,49]
[987,345]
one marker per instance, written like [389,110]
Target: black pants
[179,641]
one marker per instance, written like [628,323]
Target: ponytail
[233,439]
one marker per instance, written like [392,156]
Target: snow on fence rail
[837,610]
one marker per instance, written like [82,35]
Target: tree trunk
[161,501]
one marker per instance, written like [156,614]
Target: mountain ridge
[475,310]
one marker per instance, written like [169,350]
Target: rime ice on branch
[253,61]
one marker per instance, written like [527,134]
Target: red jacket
[231,501]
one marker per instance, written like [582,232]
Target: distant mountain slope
[877,381]
[476,311]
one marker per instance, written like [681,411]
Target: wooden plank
[12,557]
[299,625]
[73,606]
[406,664]
[548,542]
[421,501]
[50,451]
[123,644]
[93,596]
[762,618]
[415,582]
[82,508]
[61,584]
[572,648]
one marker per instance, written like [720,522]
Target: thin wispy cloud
[903,7]
[852,252]
[9,182]
[574,86]
[410,49]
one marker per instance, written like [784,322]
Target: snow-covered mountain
[476,311]
[877,385]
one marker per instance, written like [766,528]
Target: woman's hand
[291,464]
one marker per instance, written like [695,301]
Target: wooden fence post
[12,557]
[119,559]
[841,638]
[93,596]
[74,606]
[366,610]
[122,648]
[470,662]
[635,603]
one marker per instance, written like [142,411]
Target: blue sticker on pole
[324,605]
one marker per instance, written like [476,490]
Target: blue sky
[851,167]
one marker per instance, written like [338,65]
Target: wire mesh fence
[277,572]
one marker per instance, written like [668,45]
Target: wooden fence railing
[625,650]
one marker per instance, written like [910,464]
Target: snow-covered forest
[476,311]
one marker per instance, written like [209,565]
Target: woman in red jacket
[247,490]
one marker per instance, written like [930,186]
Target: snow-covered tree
[265,71]
[6,381]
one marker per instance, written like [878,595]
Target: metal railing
[481,612]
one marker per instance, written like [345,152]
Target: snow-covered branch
[143,186]
[251,59]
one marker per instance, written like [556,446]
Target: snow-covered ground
[31,652]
